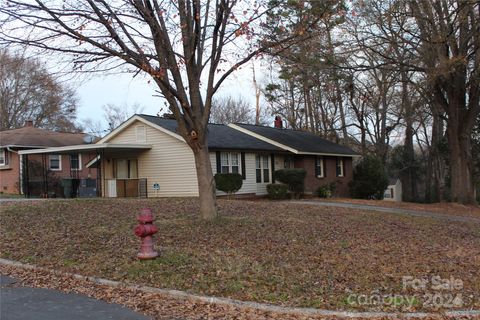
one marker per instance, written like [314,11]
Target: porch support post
[26,177]
[45,174]
[102,168]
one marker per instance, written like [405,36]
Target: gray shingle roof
[36,137]
[299,140]
[219,136]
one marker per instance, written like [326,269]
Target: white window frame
[3,157]
[59,162]
[141,133]
[79,163]
[262,165]
[319,162]
[339,162]
[226,161]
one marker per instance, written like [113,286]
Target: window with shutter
[319,167]
[339,167]
[229,162]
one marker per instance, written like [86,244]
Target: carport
[101,160]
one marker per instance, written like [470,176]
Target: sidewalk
[23,303]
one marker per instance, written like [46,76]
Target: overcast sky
[124,90]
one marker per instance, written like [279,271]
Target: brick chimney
[278,122]
[29,123]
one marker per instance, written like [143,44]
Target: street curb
[246,304]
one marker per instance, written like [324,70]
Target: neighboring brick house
[29,137]
[325,162]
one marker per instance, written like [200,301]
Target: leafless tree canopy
[113,116]
[187,47]
[29,92]
[230,110]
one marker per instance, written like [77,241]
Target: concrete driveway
[389,210]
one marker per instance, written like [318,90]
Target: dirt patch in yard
[286,254]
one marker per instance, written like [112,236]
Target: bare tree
[438,43]
[230,110]
[29,92]
[449,52]
[187,47]
[115,115]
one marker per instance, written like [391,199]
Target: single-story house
[146,156]
[13,168]
[394,190]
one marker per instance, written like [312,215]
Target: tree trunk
[206,183]
[409,176]
[438,165]
[461,173]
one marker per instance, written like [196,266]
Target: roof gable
[141,118]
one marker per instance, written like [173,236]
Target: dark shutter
[219,164]
[317,169]
[273,167]
[244,169]
[325,165]
[343,164]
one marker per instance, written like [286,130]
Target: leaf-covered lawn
[288,254]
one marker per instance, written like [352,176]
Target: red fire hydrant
[145,230]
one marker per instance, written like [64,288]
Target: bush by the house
[228,182]
[277,191]
[324,191]
[327,190]
[294,178]
[369,179]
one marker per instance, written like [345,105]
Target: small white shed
[394,190]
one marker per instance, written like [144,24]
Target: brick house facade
[29,137]
[313,180]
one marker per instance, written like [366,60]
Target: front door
[126,174]
[262,172]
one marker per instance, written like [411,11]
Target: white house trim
[138,118]
[87,147]
[330,154]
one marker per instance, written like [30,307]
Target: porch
[95,170]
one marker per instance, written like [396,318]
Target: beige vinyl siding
[279,162]
[169,163]
[249,184]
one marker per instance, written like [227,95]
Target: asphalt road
[24,303]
